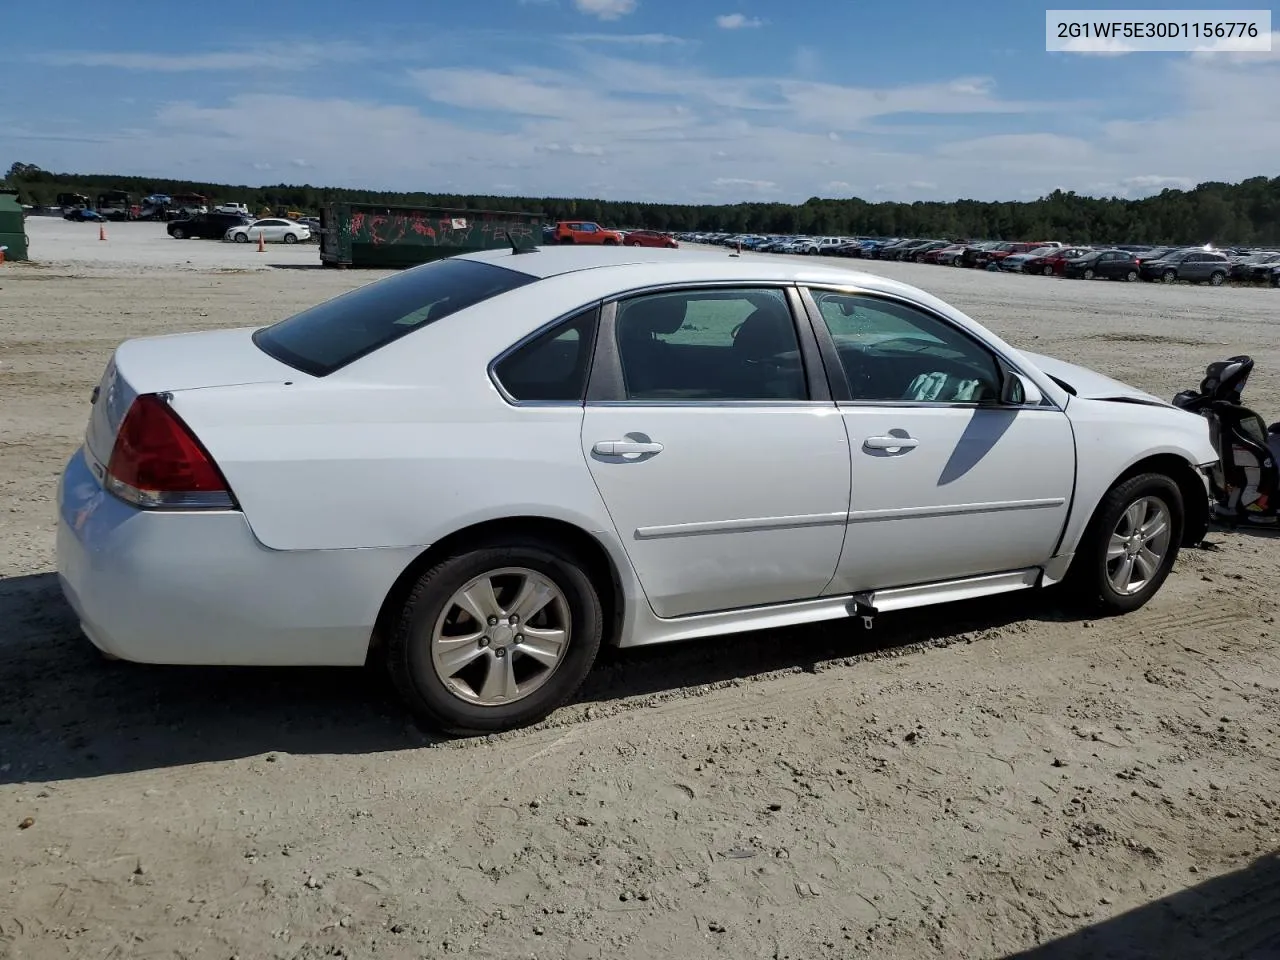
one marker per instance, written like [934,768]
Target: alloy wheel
[1138,545]
[501,636]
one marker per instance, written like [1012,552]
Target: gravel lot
[969,783]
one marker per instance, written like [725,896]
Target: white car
[272,230]
[486,466]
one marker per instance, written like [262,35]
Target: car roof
[552,261]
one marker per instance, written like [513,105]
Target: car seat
[644,357]
[768,352]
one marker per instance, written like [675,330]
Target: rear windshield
[332,334]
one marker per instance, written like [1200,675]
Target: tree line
[1245,213]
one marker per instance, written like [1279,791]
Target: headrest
[1225,379]
[767,331]
[653,315]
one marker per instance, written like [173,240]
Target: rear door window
[330,335]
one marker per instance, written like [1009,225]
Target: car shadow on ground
[296,266]
[1232,917]
[68,712]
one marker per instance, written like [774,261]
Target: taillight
[158,463]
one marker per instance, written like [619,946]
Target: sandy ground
[990,780]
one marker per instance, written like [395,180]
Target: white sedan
[487,466]
[271,230]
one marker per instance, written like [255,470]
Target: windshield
[332,334]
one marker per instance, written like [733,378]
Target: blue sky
[693,101]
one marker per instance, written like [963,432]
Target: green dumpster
[13,229]
[376,235]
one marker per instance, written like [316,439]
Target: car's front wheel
[496,637]
[241,238]
[178,233]
[1169,276]
[1130,544]
[1089,274]
[1216,278]
[290,238]
[1131,276]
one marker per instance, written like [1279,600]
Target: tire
[1131,276]
[1216,278]
[290,238]
[241,238]
[178,233]
[566,240]
[1047,271]
[1091,570]
[610,243]
[435,701]
[1089,274]
[631,243]
[1169,276]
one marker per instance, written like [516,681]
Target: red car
[648,238]
[1052,264]
[1008,249]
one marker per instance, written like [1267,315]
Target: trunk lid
[182,361]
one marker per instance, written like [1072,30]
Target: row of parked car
[241,228]
[1167,264]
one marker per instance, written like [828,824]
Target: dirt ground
[989,780]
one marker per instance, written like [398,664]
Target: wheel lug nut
[519,638]
[493,621]
[484,641]
[500,653]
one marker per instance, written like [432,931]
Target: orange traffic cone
[262,243]
[2,250]
[102,231]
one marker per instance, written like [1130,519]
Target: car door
[947,482]
[716,448]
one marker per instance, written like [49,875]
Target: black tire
[1169,276]
[408,649]
[610,243]
[1088,576]
[241,238]
[290,238]
[1216,278]
[1089,274]
[1131,276]
[1048,271]
[566,239]
[178,233]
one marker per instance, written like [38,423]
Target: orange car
[583,231]
[649,238]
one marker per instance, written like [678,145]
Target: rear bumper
[198,588]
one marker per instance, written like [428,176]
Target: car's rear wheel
[566,239]
[1130,544]
[1131,276]
[1089,274]
[1047,271]
[496,637]
[178,233]
[611,243]
[1216,278]
[290,238]
[242,238]
[1169,276]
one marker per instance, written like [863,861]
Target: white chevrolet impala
[487,466]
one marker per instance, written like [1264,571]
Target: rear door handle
[890,443]
[621,448]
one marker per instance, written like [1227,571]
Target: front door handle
[890,443]
[622,448]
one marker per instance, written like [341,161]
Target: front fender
[1112,439]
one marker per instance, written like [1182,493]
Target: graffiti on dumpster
[422,230]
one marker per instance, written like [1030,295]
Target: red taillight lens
[158,462]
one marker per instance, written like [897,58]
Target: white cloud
[1266,48]
[738,182]
[284,56]
[1097,46]
[737,21]
[675,131]
[637,39]
[606,9]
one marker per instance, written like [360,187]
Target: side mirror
[1018,391]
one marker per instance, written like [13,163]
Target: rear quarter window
[330,335]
